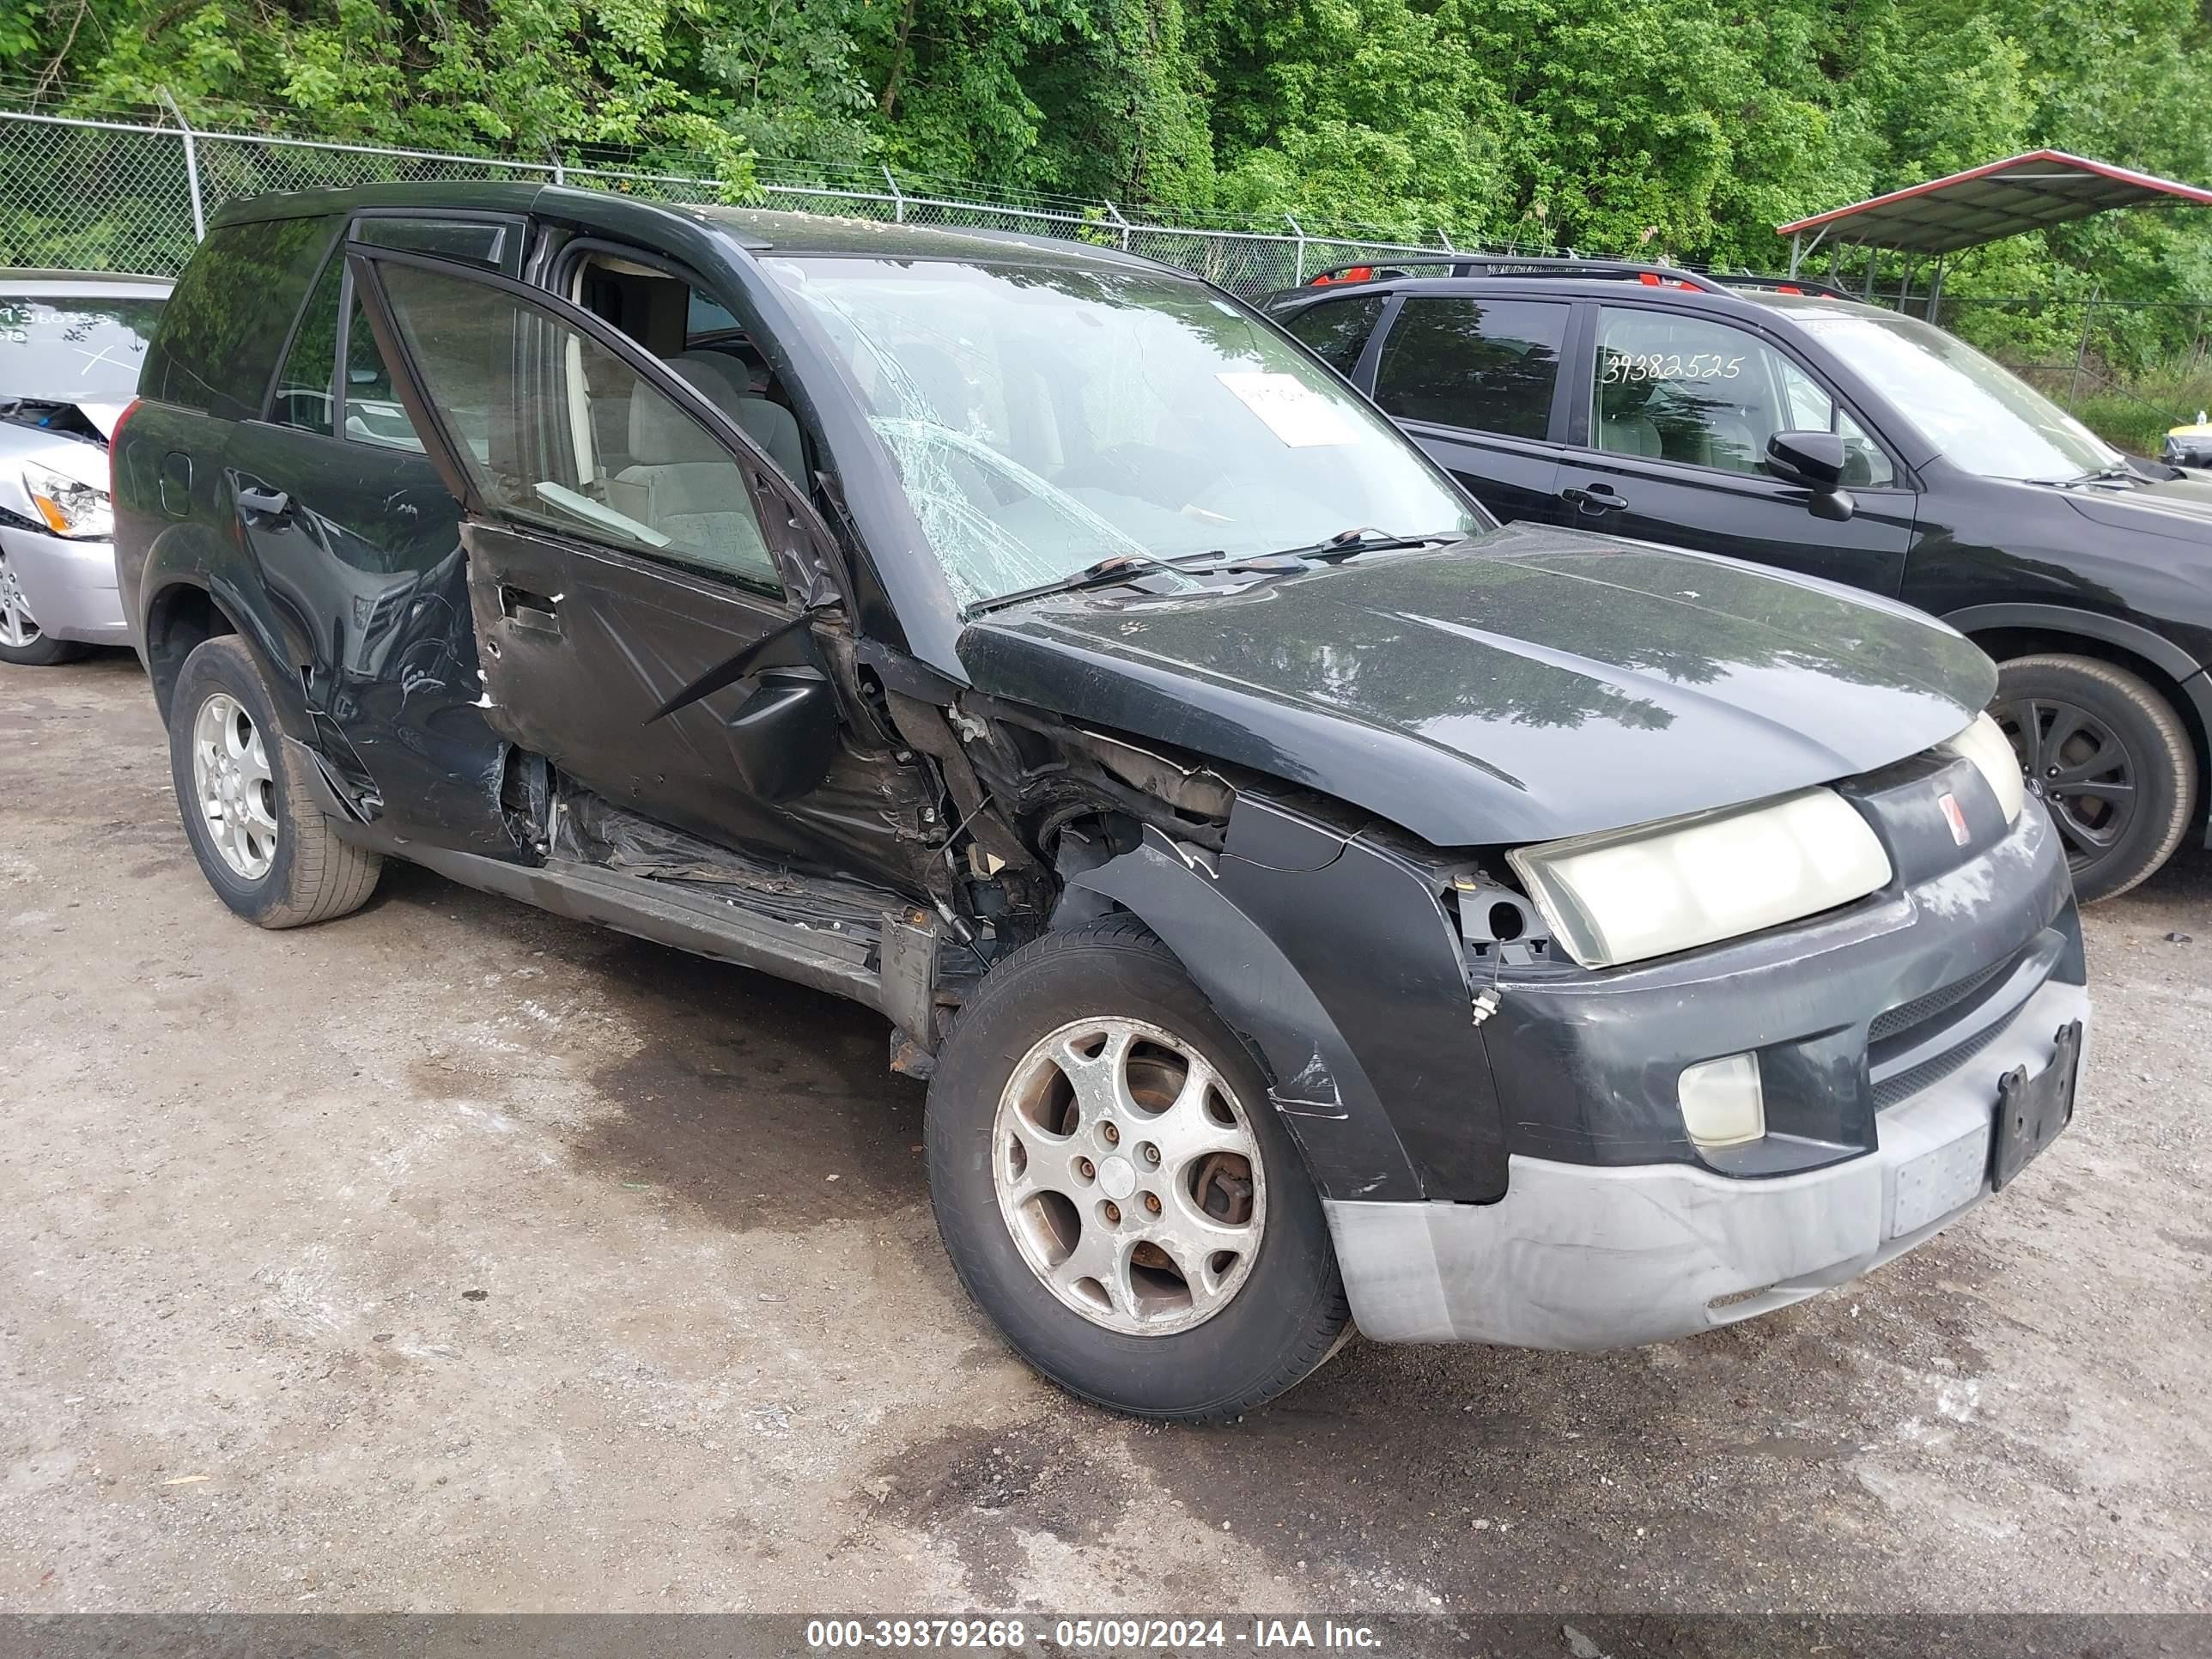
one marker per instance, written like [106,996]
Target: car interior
[704,344]
[1684,390]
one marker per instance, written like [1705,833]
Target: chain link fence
[2130,368]
[105,194]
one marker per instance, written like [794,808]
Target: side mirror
[1817,459]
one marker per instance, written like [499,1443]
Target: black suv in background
[1305,899]
[1795,427]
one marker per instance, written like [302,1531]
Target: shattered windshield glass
[1045,418]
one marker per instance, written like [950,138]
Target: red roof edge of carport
[2103,169]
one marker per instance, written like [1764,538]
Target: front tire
[262,842]
[2111,759]
[1115,1190]
[22,641]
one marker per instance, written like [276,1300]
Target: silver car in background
[71,345]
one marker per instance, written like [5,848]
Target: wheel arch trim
[161,589]
[2152,648]
[1315,1081]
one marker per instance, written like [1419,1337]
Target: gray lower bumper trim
[1575,1256]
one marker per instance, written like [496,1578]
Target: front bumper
[69,584]
[1579,1256]
[1882,1030]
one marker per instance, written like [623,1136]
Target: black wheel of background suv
[1115,1190]
[262,842]
[2111,759]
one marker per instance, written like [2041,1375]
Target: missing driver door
[629,608]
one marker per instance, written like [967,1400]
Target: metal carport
[1986,203]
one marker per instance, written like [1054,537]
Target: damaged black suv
[1309,901]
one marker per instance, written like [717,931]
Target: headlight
[1985,744]
[70,508]
[1629,894]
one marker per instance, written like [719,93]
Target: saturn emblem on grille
[1954,817]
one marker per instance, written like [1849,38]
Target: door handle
[270,504]
[527,610]
[1598,498]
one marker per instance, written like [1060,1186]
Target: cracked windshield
[1043,419]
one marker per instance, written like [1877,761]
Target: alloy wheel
[1127,1169]
[233,785]
[18,627]
[2079,767]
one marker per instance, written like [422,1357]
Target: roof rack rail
[1785,285]
[1507,265]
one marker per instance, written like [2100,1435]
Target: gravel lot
[453,1257]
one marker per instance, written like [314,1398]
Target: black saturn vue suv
[1308,902]
[1791,425]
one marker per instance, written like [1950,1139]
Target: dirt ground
[453,1257]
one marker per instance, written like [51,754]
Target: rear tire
[1262,1303]
[262,842]
[2110,757]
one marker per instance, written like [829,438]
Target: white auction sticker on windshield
[1293,411]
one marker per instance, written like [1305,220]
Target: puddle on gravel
[978,1492]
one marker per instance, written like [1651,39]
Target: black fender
[1337,963]
[187,555]
[2130,636]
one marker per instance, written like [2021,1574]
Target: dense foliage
[1683,127]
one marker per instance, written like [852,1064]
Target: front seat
[684,483]
[726,383]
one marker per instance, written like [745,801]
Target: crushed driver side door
[650,622]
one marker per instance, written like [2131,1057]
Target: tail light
[1647,279]
[115,432]
[115,440]
[1786,289]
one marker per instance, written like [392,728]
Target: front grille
[1895,1090]
[1896,1021]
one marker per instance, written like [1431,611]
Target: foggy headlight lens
[1629,894]
[70,508]
[1985,744]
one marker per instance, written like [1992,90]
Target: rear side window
[1337,330]
[231,313]
[303,390]
[1487,365]
[373,413]
[372,410]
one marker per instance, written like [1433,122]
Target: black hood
[1536,683]
[2180,507]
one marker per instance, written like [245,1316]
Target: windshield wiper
[1117,568]
[1110,572]
[2118,472]
[1364,538]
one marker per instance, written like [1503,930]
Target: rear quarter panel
[176,529]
